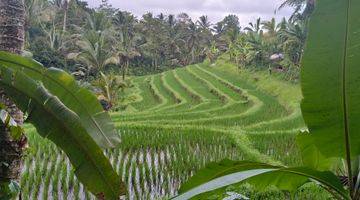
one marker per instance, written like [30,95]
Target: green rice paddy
[182,120]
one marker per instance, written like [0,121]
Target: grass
[181,120]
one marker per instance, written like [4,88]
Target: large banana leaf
[59,83]
[312,157]
[53,120]
[331,78]
[219,175]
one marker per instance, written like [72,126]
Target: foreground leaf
[312,157]
[225,173]
[53,120]
[331,78]
[61,84]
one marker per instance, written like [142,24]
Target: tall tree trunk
[12,21]
[66,8]
[125,67]
[155,63]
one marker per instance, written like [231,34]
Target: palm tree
[270,27]
[66,9]
[183,17]
[94,52]
[12,33]
[64,6]
[293,39]
[204,22]
[161,17]
[124,24]
[153,35]
[125,55]
[206,35]
[97,21]
[193,38]
[34,9]
[171,21]
[254,27]
[283,24]
[303,8]
[219,28]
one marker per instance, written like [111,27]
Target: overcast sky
[246,10]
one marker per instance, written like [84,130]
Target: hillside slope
[182,120]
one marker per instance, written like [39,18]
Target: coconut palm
[94,52]
[254,27]
[171,21]
[219,28]
[303,8]
[124,24]
[153,36]
[270,27]
[63,5]
[12,35]
[66,9]
[293,39]
[125,55]
[161,16]
[97,21]
[204,22]
[34,9]
[193,38]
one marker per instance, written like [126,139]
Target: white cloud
[216,10]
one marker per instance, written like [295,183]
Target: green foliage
[9,190]
[165,142]
[303,8]
[205,112]
[65,129]
[110,85]
[94,53]
[330,113]
[277,47]
[92,116]
[96,40]
[329,79]
[224,173]
[16,131]
[47,56]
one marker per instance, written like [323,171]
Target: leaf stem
[345,106]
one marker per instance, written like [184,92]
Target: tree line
[85,41]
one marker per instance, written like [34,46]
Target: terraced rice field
[182,120]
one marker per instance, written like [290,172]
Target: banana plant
[331,90]
[109,86]
[69,116]
[61,84]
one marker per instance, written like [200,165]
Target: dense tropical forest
[98,103]
[85,41]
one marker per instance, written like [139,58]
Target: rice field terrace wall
[182,120]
